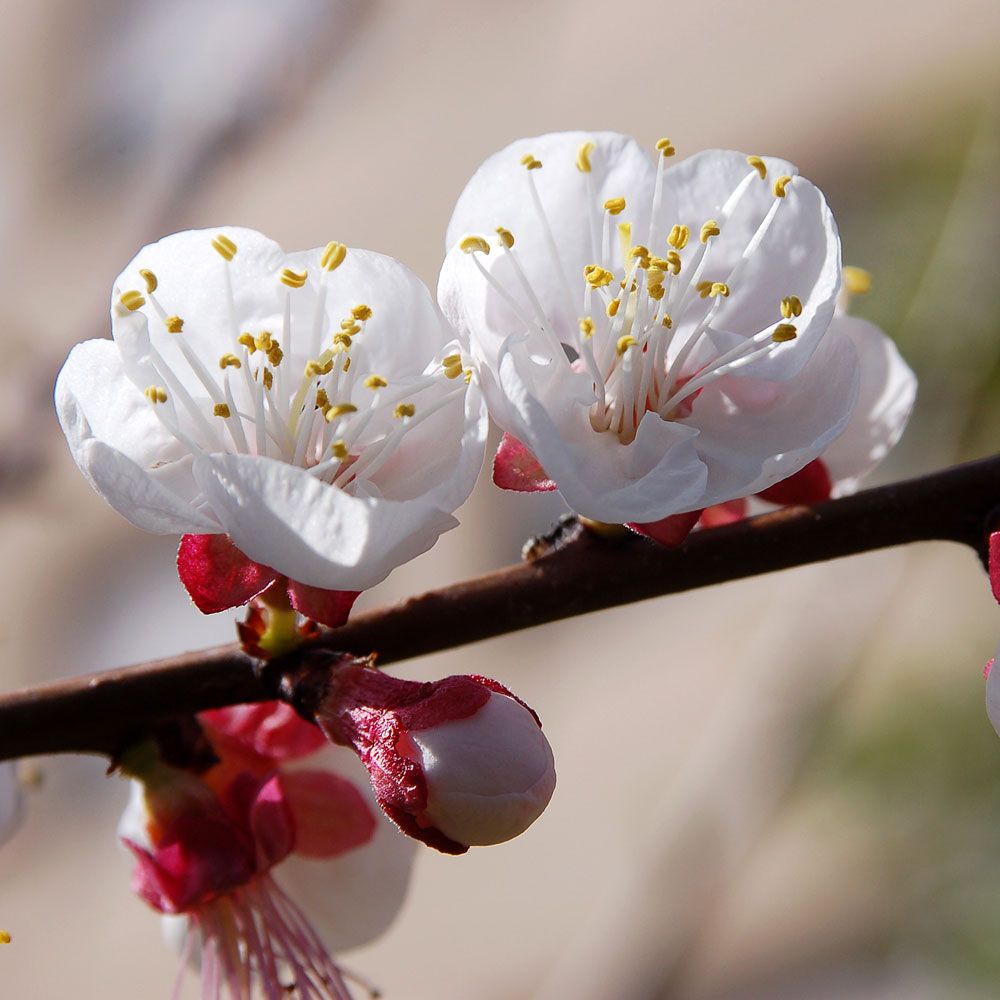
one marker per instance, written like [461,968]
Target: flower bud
[456,763]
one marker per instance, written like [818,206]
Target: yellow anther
[640,253]
[333,256]
[275,354]
[224,246]
[719,288]
[614,206]
[791,305]
[597,276]
[132,300]
[506,237]
[613,305]
[322,399]
[468,376]
[263,340]
[230,361]
[759,165]
[174,324]
[316,368]
[674,262]
[247,340]
[339,410]
[529,162]
[710,229]
[587,327]
[268,379]
[450,360]
[784,332]
[453,371]
[339,449]
[679,237]
[221,410]
[375,382]
[155,394]
[293,279]
[667,321]
[474,244]
[5,937]
[666,147]
[624,343]
[349,327]
[583,156]
[347,364]
[656,291]
[150,280]
[857,280]
[704,288]
[342,340]
[361,312]
[404,410]
[781,185]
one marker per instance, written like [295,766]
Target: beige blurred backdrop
[781,788]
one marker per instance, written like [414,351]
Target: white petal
[317,534]
[11,801]
[121,447]
[888,389]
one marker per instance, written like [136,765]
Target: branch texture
[571,572]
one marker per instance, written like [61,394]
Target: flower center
[644,333]
[339,418]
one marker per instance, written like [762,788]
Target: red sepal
[811,484]
[516,468]
[723,513]
[995,564]
[668,531]
[217,575]
[328,607]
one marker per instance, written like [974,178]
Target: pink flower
[456,763]
[206,846]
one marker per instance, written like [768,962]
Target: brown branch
[577,573]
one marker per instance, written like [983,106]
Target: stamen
[624,343]
[5,937]
[293,279]
[349,327]
[404,410]
[224,246]
[791,305]
[322,400]
[268,379]
[784,332]
[857,280]
[150,280]
[333,256]
[679,237]
[667,321]
[132,300]
[174,324]
[339,449]
[230,361]
[222,410]
[597,276]
[587,327]
[155,394]
[614,206]
[247,340]
[666,147]
[506,237]
[781,185]
[529,162]
[375,382]
[474,244]
[318,367]
[759,165]
[710,229]
[361,312]
[613,305]
[339,410]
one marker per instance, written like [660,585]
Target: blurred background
[780,788]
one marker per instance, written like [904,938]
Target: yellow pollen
[679,237]
[150,280]
[506,237]
[704,288]
[583,156]
[275,354]
[350,326]
[5,937]
[468,376]
[624,343]
[230,361]
[596,276]
[474,244]
[710,229]
[404,410]
[263,340]
[656,291]
[361,312]
[322,399]
[294,279]
[613,307]
[347,364]
[246,339]
[221,410]
[719,288]
[224,246]
[791,305]
[333,256]
[857,280]
[784,332]
[759,165]
[339,449]
[667,321]
[268,379]
[666,147]
[587,327]
[614,206]
[529,162]
[375,382]
[641,253]
[450,360]
[781,185]
[132,300]
[674,261]
[342,340]
[174,324]
[314,368]
[155,394]
[339,410]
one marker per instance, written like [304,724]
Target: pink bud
[455,763]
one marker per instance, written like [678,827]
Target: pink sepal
[270,730]
[811,484]
[217,575]
[328,607]
[516,468]
[331,815]
[994,564]
[723,513]
[669,531]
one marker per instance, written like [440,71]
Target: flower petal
[331,815]
[316,534]
[217,576]
[269,729]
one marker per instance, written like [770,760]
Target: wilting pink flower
[302,417]
[206,846]
[456,763]
[652,340]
